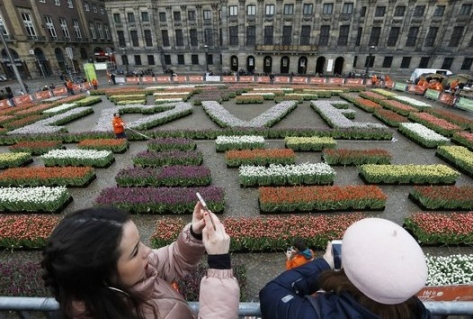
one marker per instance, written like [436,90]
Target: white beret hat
[383,261]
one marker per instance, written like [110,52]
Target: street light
[371,50]
[206,48]
[125,58]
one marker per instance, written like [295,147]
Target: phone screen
[337,254]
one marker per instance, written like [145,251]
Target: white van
[418,72]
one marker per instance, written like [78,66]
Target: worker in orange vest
[374,80]
[118,126]
[95,84]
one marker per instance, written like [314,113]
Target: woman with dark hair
[383,268]
[97,268]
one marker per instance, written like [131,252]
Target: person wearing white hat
[383,268]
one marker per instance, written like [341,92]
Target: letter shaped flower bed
[301,174]
[256,234]
[47,176]
[161,200]
[153,159]
[408,174]
[235,158]
[442,197]
[175,175]
[356,157]
[320,198]
[79,157]
[115,145]
[34,199]
[441,228]
[15,159]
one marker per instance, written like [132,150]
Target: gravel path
[242,202]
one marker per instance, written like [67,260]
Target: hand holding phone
[337,254]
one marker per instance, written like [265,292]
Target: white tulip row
[40,194]
[77,154]
[286,170]
[423,132]
[61,108]
[247,139]
[411,101]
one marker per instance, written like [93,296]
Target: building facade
[50,37]
[330,37]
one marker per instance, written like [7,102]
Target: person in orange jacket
[119,126]
[374,80]
[298,255]
[94,83]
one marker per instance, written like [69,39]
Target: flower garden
[293,173]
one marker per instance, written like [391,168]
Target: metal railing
[23,307]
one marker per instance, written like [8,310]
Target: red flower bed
[35,147]
[367,105]
[439,125]
[443,197]
[399,107]
[390,118]
[46,176]
[23,122]
[260,157]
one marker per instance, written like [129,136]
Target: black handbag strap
[314,303]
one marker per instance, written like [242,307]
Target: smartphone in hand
[204,205]
[337,254]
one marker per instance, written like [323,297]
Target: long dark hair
[80,264]
[339,283]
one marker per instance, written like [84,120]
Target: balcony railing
[36,38]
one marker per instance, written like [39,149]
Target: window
[324,35]
[431,36]
[165,37]
[343,35]
[393,36]
[134,38]
[181,59]
[179,38]
[207,14]
[424,62]
[234,35]
[363,11]
[288,9]
[286,39]
[412,35]
[145,17]
[28,24]
[250,35]
[64,28]
[50,27]
[447,63]
[210,59]
[419,11]
[405,62]
[3,29]
[130,17]
[162,16]
[466,64]
[77,29]
[379,11]
[176,15]
[387,62]
[399,11]
[70,4]
[117,18]
[456,36]
[148,38]
[359,37]
[270,9]
[193,35]
[94,8]
[151,59]
[167,59]
[347,8]
[194,59]
[99,30]
[102,10]
[233,11]
[307,8]
[208,38]
[327,8]
[305,35]
[374,36]
[86,6]
[92,32]
[121,38]
[465,9]
[439,11]
[268,35]
[107,32]
[57,3]
[369,61]
[251,10]
[192,15]
[138,59]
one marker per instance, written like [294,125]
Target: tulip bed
[408,174]
[442,197]
[412,102]
[115,145]
[301,174]
[153,159]
[390,118]
[463,138]
[463,122]
[320,198]
[441,228]
[356,157]
[171,143]
[235,158]
[459,156]
[8,160]
[78,157]
[174,175]
[422,135]
[36,147]
[309,144]
[47,176]
[449,270]
[226,143]
[161,200]
[398,107]
[438,125]
[34,199]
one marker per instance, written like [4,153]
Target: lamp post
[13,63]
[371,50]
[206,49]
[125,59]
